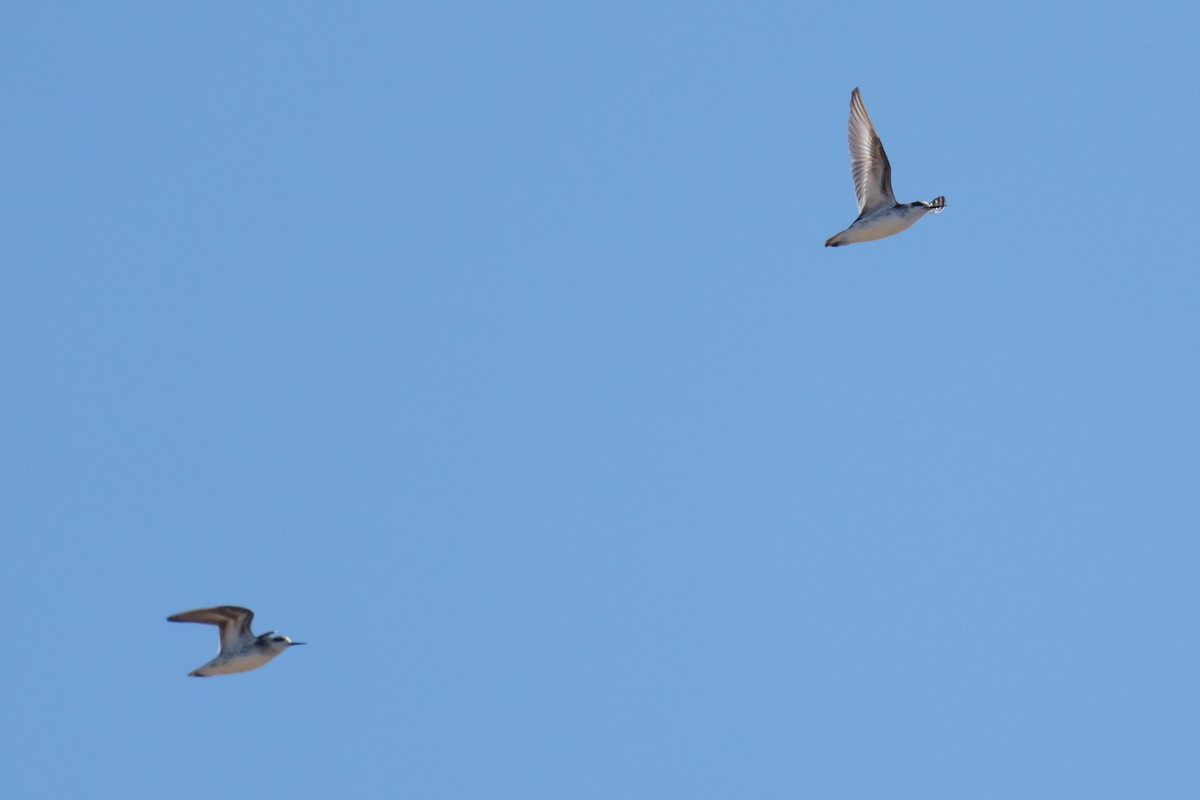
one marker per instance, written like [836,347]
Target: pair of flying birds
[879,216]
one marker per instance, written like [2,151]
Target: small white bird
[241,650]
[879,214]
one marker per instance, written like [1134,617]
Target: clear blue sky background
[492,349]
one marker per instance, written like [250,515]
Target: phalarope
[879,214]
[241,650]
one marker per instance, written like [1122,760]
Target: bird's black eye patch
[278,639]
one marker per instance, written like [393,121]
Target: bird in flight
[879,214]
[241,650]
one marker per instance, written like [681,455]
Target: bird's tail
[936,204]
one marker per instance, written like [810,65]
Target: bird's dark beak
[296,643]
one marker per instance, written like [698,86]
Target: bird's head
[278,643]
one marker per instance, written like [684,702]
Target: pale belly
[234,666]
[870,230]
[877,227]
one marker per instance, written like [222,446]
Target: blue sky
[492,349]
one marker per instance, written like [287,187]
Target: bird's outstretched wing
[868,163]
[234,622]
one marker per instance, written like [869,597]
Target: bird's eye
[279,638]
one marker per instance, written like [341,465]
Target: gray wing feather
[868,162]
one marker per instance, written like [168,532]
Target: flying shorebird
[879,214]
[241,650]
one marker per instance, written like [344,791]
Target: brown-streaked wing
[233,621]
